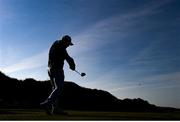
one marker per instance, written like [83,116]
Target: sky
[130,48]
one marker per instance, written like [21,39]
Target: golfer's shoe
[49,108]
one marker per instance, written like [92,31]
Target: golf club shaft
[77,72]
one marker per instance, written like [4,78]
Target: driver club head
[83,74]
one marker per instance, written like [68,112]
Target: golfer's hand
[72,67]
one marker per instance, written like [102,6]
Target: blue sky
[130,48]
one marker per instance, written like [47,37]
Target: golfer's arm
[70,61]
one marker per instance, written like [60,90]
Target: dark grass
[37,114]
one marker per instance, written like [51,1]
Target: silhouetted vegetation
[29,93]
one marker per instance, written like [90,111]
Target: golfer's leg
[52,83]
[58,83]
[50,73]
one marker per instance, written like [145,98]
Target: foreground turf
[22,114]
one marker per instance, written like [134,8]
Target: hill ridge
[29,93]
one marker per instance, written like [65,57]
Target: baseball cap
[67,39]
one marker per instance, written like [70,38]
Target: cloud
[161,55]
[94,37]
[121,27]
[159,81]
[28,63]
[118,26]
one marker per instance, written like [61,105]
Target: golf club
[82,74]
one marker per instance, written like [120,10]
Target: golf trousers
[57,82]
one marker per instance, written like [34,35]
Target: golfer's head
[67,40]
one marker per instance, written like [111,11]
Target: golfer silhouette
[57,55]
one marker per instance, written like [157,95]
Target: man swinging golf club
[57,55]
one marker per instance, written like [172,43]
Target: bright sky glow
[130,48]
